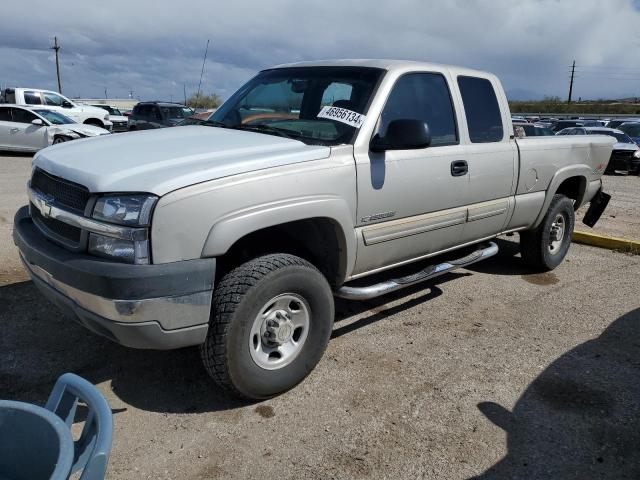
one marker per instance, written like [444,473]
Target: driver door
[411,202]
[23,134]
[57,101]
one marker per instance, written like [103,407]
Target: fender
[232,227]
[581,171]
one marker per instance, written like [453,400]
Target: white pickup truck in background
[236,232]
[57,102]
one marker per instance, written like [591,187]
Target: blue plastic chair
[36,443]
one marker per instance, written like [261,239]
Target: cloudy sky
[154,47]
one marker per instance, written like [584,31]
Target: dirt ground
[489,372]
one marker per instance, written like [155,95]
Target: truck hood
[163,160]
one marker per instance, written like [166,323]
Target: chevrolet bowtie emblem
[44,205]
[45,210]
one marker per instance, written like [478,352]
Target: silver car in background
[29,129]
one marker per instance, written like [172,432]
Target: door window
[426,97]
[5,114]
[23,116]
[32,98]
[52,99]
[482,110]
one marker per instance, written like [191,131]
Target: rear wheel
[270,324]
[545,247]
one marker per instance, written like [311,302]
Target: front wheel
[270,324]
[61,139]
[545,247]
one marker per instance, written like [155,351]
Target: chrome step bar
[432,271]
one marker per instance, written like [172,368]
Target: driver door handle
[14,130]
[459,168]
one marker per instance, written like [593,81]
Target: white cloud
[154,49]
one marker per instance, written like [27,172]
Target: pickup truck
[235,233]
[46,99]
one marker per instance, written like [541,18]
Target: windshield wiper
[268,129]
[215,123]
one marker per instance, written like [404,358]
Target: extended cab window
[32,98]
[422,96]
[482,110]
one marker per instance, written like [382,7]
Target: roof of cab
[385,64]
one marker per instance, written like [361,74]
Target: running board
[432,271]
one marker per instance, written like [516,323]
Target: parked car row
[626,152]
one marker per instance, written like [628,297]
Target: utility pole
[105,94]
[56,48]
[573,70]
[184,89]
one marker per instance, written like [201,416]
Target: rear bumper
[161,306]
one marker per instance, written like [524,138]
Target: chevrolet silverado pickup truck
[235,233]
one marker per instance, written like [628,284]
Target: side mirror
[37,122]
[402,134]
[66,104]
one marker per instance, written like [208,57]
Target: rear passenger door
[492,157]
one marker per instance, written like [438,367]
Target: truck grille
[65,193]
[60,229]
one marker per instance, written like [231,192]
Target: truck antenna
[201,74]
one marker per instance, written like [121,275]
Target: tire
[246,299]
[540,248]
[94,122]
[61,139]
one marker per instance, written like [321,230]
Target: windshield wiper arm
[215,123]
[262,128]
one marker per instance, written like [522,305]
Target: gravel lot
[489,372]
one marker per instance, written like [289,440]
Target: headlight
[636,154]
[126,210]
[106,117]
[129,210]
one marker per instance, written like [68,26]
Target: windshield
[54,118]
[176,112]
[298,102]
[631,129]
[620,137]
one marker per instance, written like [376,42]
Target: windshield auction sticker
[343,115]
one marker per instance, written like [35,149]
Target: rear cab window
[32,98]
[484,119]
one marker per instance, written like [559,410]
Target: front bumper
[163,306]
[120,127]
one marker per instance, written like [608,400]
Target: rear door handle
[14,130]
[459,168]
